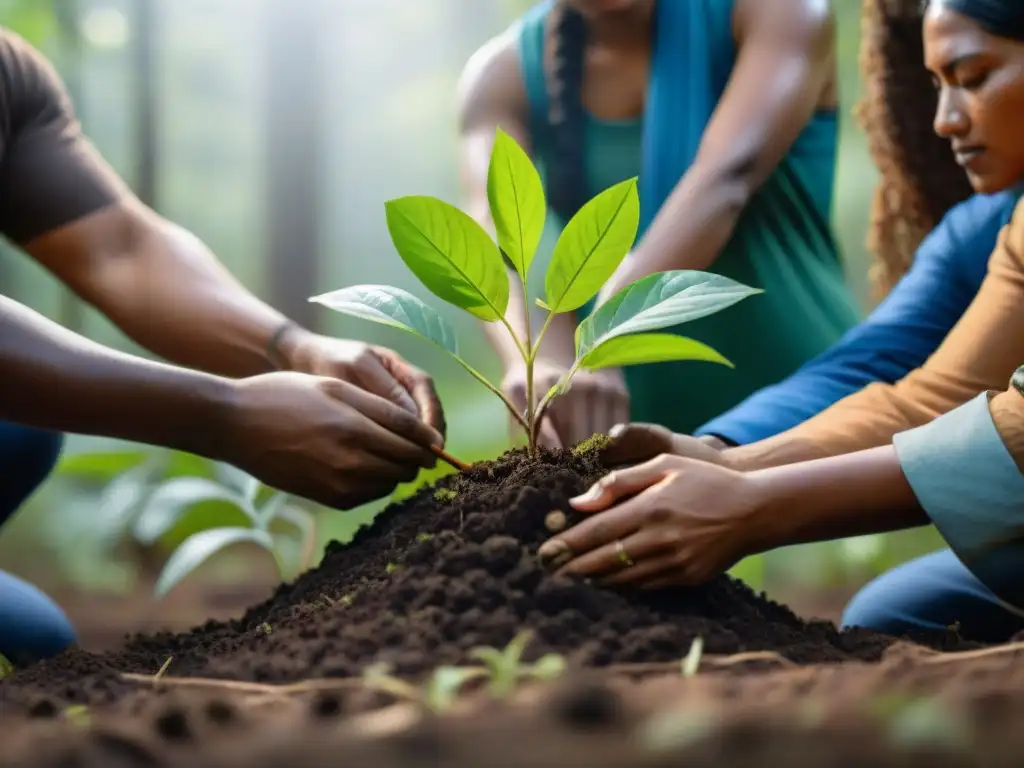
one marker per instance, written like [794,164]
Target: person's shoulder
[979,217]
[34,87]
[491,79]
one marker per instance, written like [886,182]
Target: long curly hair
[920,180]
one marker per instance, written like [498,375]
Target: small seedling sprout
[691,664]
[505,668]
[456,259]
[5,667]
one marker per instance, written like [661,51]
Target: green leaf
[642,348]
[174,498]
[549,667]
[659,301]
[196,549]
[451,254]
[516,197]
[238,479]
[396,308]
[271,510]
[122,497]
[591,247]
[445,684]
[399,309]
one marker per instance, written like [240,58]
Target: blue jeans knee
[32,626]
[932,593]
[27,457]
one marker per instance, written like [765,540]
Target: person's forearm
[851,495]
[167,292]
[55,379]
[692,227]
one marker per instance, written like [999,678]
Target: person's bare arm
[55,379]
[163,287]
[783,68]
[492,96]
[67,208]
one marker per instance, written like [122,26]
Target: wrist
[770,504]
[287,349]
[207,429]
[715,442]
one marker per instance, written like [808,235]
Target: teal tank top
[782,243]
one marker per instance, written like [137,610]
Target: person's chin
[989,183]
[600,7]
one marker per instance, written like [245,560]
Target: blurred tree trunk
[144,59]
[294,153]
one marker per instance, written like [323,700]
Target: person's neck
[623,28]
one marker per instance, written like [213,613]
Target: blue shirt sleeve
[970,487]
[896,338]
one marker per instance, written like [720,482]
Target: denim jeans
[932,593]
[32,626]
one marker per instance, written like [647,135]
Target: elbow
[731,184]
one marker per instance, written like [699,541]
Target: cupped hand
[636,443]
[378,370]
[322,438]
[594,403]
[669,522]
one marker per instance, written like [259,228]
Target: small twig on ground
[442,454]
[343,683]
[163,669]
[241,686]
[943,658]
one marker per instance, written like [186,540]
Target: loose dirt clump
[440,574]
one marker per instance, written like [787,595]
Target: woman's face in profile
[980,78]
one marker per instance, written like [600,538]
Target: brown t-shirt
[50,174]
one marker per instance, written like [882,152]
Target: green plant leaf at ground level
[199,548]
[659,301]
[591,247]
[174,498]
[451,254]
[516,196]
[396,308]
[642,348]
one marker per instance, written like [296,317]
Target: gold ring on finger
[623,556]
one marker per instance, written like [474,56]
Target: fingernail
[553,549]
[617,431]
[592,495]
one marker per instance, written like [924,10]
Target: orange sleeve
[981,353]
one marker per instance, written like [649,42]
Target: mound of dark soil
[452,568]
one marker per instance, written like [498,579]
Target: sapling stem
[529,357]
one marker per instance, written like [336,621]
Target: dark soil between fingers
[450,569]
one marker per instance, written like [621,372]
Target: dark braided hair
[920,180]
[567,170]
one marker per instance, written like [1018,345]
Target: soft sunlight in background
[275,130]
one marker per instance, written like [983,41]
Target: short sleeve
[50,174]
